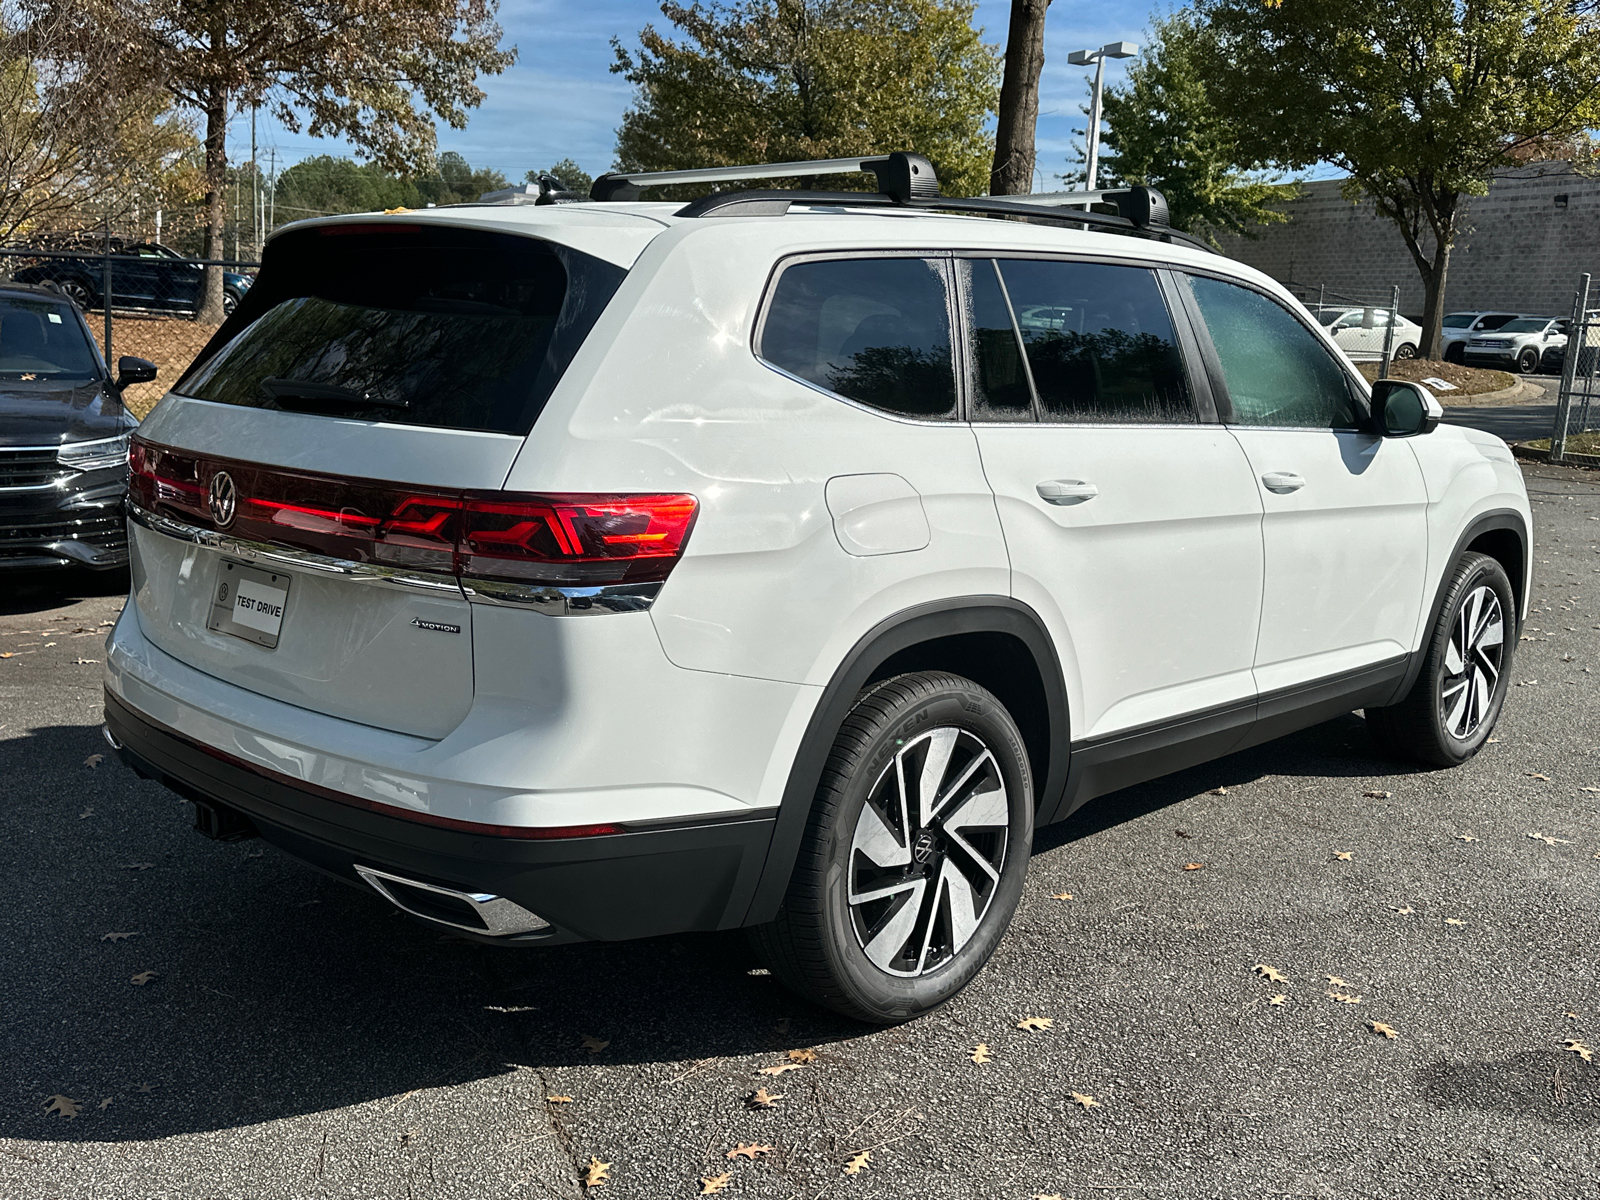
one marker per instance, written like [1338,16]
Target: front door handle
[1067,491]
[1282,482]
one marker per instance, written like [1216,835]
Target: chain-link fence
[1577,423]
[1366,324]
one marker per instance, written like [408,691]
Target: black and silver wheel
[76,291]
[1447,716]
[230,301]
[1528,361]
[914,855]
[1405,350]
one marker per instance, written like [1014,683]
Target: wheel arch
[995,641]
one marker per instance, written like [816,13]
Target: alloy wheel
[928,851]
[1472,663]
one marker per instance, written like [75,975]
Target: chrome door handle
[1067,491]
[1282,482]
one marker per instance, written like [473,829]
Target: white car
[1362,332]
[777,560]
[1459,328]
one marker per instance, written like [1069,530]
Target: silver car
[1461,327]
[1525,345]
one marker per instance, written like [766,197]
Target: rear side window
[417,325]
[875,330]
[1278,374]
[1000,388]
[1099,342]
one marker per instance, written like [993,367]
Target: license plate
[249,603]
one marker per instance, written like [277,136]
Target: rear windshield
[42,339]
[415,325]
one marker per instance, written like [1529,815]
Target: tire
[1528,361]
[1405,350]
[909,942]
[1452,708]
[230,301]
[78,292]
[1455,352]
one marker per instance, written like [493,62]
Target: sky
[559,100]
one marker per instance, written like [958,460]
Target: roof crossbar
[900,175]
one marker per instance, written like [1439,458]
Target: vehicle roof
[32,291]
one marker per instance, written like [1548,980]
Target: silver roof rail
[900,175]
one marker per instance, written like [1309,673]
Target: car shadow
[279,991]
[29,592]
[1551,1086]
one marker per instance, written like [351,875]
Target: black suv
[148,276]
[63,436]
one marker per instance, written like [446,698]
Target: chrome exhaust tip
[111,738]
[472,912]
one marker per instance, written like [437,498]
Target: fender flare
[1502,518]
[922,623]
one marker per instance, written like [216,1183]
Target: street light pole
[1082,58]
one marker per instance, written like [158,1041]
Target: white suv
[781,560]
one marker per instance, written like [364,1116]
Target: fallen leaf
[710,1185]
[1042,1196]
[559,1099]
[803,1056]
[105,1104]
[1537,775]
[83,662]
[143,977]
[86,814]
[137,866]
[596,1173]
[1335,981]
[8,654]
[1271,973]
[1061,895]
[1279,1000]
[1382,1030]
[1453,921]
[1344,855]
[1085,1101]
[93,761]
[1465,837]
[1548,840]
[1406,911]
[1218,791]
[1193,866]
[1344,997]
[593,1044]
[858,1163]
[981,1054]
[779,1068]
[143,1087]
[1589,789]
[118,937]
[63,1106]
[761,1098]
[1572,1015]
[750,1150]
[1035,1024]
[1578,1048]
[1377,795]
[1183,833]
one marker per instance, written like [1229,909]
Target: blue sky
[560,100]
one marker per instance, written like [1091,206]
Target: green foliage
[325,184]
[1165,131]
[1421,101]
[457,182]
[569,172]
[781,80]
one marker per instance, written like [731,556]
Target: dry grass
[169,342]
[1577,443]
[1469,381]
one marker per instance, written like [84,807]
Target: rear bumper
[646,881]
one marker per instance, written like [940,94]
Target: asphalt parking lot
[296,1038]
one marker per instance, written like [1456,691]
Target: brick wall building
[1523,246]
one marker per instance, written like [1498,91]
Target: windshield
[1458,320]
[1523,326]
[42,339]
[420,325]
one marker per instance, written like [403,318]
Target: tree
[1165,131]
[456,181]
[1012,174]
[71,138]
[569,172]
[1420,101]
[373,71]
[783,80]
[325,185]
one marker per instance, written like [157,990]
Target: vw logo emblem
[923,845]
[222,498]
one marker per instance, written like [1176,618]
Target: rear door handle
[1282,482]
[1067,491]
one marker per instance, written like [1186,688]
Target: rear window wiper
[299,393]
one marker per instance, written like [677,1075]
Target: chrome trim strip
[562,601]
[501,917]
[289,558]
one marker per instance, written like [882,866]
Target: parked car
[63,437]
[596,571]
[1362,332]
[1461,327]
[1527,344]
[147,276]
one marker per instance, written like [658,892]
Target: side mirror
[132,370]
[1401,408]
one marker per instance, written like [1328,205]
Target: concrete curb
[1522,389]
[1569,460]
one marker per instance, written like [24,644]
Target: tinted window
[1000,390]
[1458,320]
[1496,320]
[1277,372]
[874,329]
[41,339]
[444,327]
[1099,342]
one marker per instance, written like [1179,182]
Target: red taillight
[574,540]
